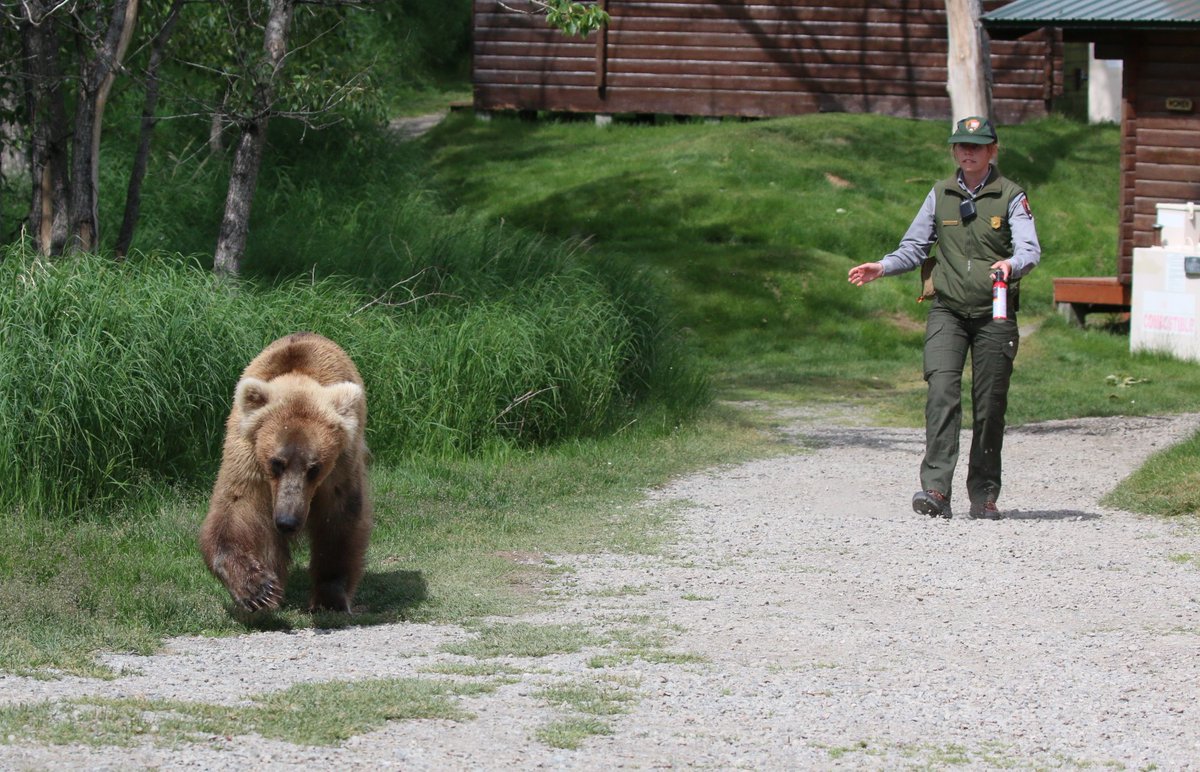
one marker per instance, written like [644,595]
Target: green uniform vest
[966,250]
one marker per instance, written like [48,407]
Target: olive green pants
[993,347]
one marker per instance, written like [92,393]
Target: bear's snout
[287,523]
[291,507]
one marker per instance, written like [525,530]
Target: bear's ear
[345,398]
[251,396]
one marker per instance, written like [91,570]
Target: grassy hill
[751,226]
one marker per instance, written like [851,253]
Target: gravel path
[414,126]
[827,627]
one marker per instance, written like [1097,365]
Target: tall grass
[357,204]
[99,376]
[115,373]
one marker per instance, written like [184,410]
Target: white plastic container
[1165,313]
[1178,226]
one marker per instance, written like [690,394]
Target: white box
[1165,310]
[1178,225]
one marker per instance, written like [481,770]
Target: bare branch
[521,400]
[379,301]
[30,13]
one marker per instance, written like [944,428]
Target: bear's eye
[313,472]
[277,467]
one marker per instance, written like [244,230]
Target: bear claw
[268,597]
[260,591]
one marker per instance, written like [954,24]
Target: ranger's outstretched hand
[867,272]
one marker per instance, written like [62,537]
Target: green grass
[497,671]
[752,226]
[516,389]
[586,705]
[644,639]
[307,714]
[570,733]
[1186,559]
[1068,372]
[421,52]
[1167,484]
[601,698]
[70,589]
[519,639]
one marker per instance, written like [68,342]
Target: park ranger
[982,224]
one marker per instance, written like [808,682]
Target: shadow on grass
[1041,153]
[391,593]
[383,597]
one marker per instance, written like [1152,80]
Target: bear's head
[298,430]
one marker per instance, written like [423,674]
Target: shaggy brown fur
[294,460]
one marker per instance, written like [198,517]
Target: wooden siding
[1160,148]
[746,58]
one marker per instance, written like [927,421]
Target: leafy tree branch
[571,17]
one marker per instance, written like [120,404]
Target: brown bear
[294,460]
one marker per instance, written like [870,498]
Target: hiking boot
[984,510]
[931,503]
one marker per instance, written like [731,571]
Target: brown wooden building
[753,58]
[1159,44]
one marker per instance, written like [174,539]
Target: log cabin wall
[751,59]
[1160,133]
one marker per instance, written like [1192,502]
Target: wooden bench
[1075,298]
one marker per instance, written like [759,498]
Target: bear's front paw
[259,590]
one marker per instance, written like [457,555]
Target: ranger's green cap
[975,130]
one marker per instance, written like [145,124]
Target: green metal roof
[1096,14]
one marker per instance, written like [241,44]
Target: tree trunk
[235,224]
[13,146]
[49,136]
[94,85]
[216,125]
[133,195]
[968,65]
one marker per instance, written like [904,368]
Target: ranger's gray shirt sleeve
[1027,251]
[917,241]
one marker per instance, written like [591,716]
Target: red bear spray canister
[999,296]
